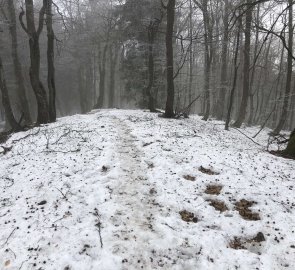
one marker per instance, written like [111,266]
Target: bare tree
[6,101]
[169,110]
[224,64]
[50,61]
[284,114]
[34,34]
[236,67]
[246,71]
[21,89]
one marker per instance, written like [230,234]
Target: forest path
[134,195]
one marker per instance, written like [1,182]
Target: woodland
[231,60]
[147,134]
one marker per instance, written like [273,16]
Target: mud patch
[213,189]
[208,171]
[189,178]
[253,245]
[188,216]
[218,205]
[243,207]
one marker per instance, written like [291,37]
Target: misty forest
[147,134]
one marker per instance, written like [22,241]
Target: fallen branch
[247,136]
[63,152]
[25,137]
[185,111]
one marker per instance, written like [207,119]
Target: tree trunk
[6,101]
[208,58]
[50,62]
[236,67]
[113,61]
[169,111]
[21,89]
[30,29]
[82,90]
[191,55]
[102,73]
[151,68]
[290,150]
[251,92]
[284,114]
[246,81]
[224,57]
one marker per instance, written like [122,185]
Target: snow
[111,185]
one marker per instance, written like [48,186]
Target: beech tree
[50,61]
[6,101]
[34,33]
[246,71]
[21,88]
[170,9]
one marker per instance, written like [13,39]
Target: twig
[98,225]
[22,264]
[99,232]
[25,137]
[9,237]
[64,195]
[64,152]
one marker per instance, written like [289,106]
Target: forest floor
[121,189]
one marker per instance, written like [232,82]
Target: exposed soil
[243,206]
[218,205]
[188,216]
[207,171]
[213,189]
[242,243]
[189,178]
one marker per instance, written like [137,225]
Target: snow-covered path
[123,190]
[133,196]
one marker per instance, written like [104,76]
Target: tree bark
[169,110]
[102,73]
[246,81]
[81,86]
[151,67]
[50,62]
[251,92]
[33,34]
[224,57]
[284,114]
[191,55]
[208,58]
[6,101]
[236,67]
[21,89]
[113,52]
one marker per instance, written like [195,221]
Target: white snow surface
[111,185]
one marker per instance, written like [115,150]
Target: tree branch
[21,15]
[41,18]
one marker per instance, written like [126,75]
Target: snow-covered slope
[128,190]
